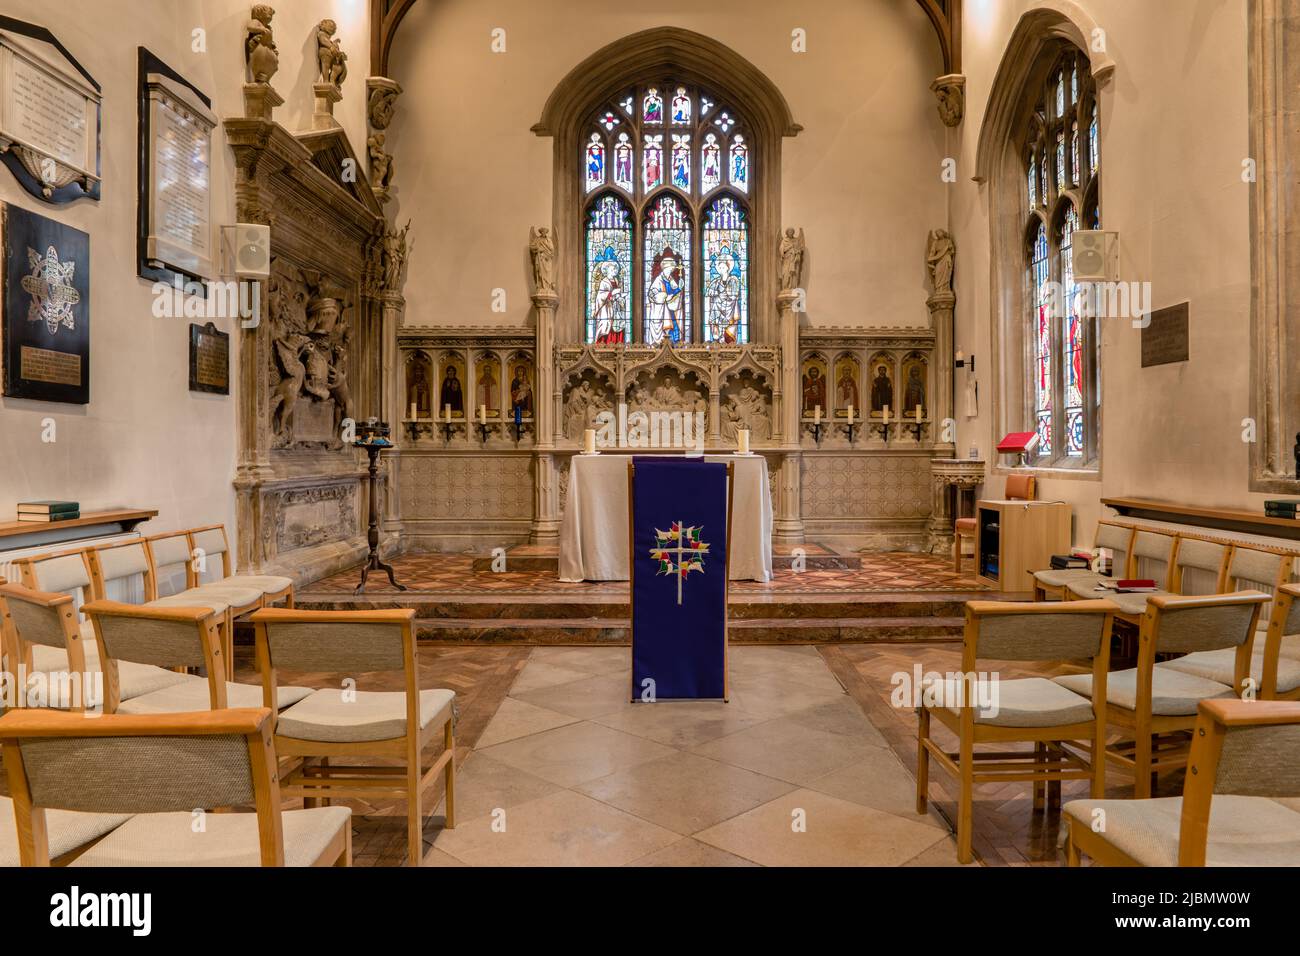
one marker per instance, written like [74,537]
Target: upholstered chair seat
[327,716]
[194,694]
[1133,603]
[965,525]
[193,599]
[229,839]
[1173,693]
[67,829]
[234,596]
[266,583]
[1243,831]
[135,680]
[1062,577]
[1218,665]
[1026,702]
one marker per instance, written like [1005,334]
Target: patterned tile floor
[881,571]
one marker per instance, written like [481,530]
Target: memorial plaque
[209,359]
[1165,338]
[175,201]
[49,115]
[45,287]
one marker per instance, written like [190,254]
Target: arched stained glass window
[726,265]
[669,169]
[1063,394]
[609,272]
[667,268]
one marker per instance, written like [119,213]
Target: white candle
[817,414]
[742,437]
[918,414]
[589,441]
[850,414]
[447,409]
[886,414]
[482,414]
[413,415]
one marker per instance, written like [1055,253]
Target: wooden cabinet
[1013,538]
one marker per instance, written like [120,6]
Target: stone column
[392,401]
[788,523]
[941,320]
[546,426]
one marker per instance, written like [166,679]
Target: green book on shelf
[47,507]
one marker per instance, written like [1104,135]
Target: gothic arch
[697,59]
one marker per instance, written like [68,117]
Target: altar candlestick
[413,411]
[447,409]
[886,414]
[850,414]
[817,414]
[742,438]
[482,414]
[918,414]
[589,441]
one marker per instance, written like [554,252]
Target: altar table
[593,533]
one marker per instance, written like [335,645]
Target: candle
[519,414]
[482,414]
[886,414]
[742,436]
[589,441]
[447,409]
[918,414]
[961,356]
[413,415]
[850,414]
[817,414]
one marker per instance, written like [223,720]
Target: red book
[1136,583]
[1019,442]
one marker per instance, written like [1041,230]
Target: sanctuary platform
[867,597]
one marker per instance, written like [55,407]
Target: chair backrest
[1020,487]
[1245,748]
[1153,555]
[1118,540]
[1046,631]
[210,541]
[1201,566]
[120,561]
[65,572]
[35,617]
[123,763]
[1205,622]
[1283,623]
[162,636]
[1258,569]
[169,553]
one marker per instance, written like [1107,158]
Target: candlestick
[482,414]
[918,414]
[817,415]
[850,414]
[589,441]
[447,410]
[886,414]
[742,438]
[413,411]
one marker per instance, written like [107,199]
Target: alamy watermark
[670,429]
[1101,300]
[214,299]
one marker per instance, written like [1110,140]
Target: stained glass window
[725,240]
[1093,154]
[652,108]
[1074,84]
[1074,152]
[1046,182]
[739,163]
[609,272]
[724,122]
[1072,364]
[710,164]
[705,105]
[652,162]
[609,120]
[1042,343]
[1033,182]
[595,162]
[667,270]
[682,161]
[623,162]
[626,104]
[1060,95]
[1060,161]
[681,107]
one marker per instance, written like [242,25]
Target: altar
[594,528]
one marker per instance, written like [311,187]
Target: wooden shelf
[26,534]
[1223,519]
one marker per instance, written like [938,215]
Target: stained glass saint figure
[652,162]
[623,162]
[595,162]
[710,163]
[682,162]
[652,108]
[609,299]
[665,295]
[681,107]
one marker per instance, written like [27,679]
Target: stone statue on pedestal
[332,62]
[259,46]
[939,254]
[542,249]
[792,250]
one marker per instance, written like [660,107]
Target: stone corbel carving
[381,102]
[331,71]
[950,90]
[262,61]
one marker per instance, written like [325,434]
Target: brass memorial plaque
[1165,338]
[209,359]
[46,365]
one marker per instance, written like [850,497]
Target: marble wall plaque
[313,421]
[1165,338]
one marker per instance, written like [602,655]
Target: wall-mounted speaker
[1096,255]
[246,250]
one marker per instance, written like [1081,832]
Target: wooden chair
[1280,669]
[173,637]
[211,540]
[1152,553]
[1200,566]
[1152,706]
[49,620]
[1245,758]
[1030,710]
[329,724]
[163,767]
[1019,488]
[1110,535]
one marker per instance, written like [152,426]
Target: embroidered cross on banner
[679,551]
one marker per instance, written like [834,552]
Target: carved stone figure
[381,163]
[394,257]
[950,90]
[382,104]
[542,249]
[580,413]
[746,409]
[792,250]
[331,61]
[292,374]
[259,46]
[939,254]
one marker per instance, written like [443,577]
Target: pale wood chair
[49,620]
[173,637]
[1152,554]
[1029,710]
[1114,536]
[1152,707]
[1280,669]
[1245,761]
[161,768]
[210,540]
[1019,488]
[1200,566]
[332,724]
